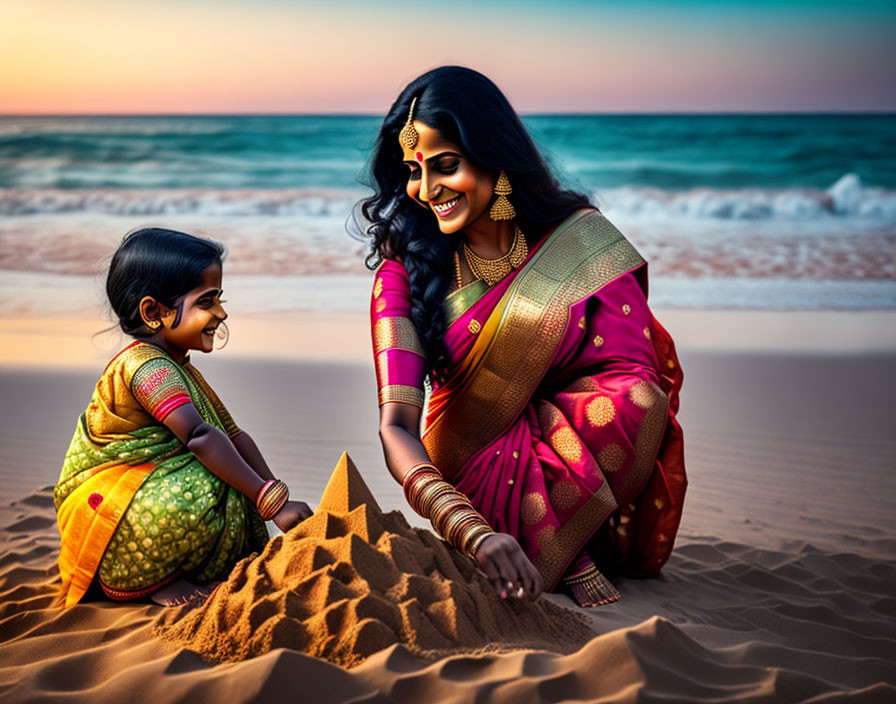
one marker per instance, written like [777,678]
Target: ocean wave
[847,198]
[208,202]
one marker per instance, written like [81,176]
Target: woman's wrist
[477,542]
[450,511]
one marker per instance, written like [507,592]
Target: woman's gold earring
[502,209]
[154,324]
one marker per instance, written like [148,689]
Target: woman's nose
[220,313]
[428,187]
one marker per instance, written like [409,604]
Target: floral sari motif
[558,417]
[135,508]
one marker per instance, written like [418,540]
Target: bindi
[419,156]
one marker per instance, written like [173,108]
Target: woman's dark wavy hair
[471,111]
[164,264]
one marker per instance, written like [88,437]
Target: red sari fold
[558,417]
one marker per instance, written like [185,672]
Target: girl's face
[201,314]
[442,179]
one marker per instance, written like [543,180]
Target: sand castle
[351,581]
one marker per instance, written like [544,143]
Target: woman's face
[446,182]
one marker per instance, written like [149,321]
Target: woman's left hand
[292,513]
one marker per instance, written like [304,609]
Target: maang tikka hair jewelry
[502,209]
[408,135]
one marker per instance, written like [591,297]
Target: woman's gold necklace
[493,270]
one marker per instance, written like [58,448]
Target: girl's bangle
[264,488]
[272,498]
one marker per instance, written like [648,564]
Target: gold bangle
[416,478]
[434,497]
[423,491]
[476,541]
[442,505]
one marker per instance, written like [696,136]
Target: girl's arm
[214,449]
[249,451]
[224,458]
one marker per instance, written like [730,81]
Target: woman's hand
[507,567]
[292,513]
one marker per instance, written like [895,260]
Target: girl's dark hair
[471,111]
[164,264]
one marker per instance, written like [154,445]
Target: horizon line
[572,113]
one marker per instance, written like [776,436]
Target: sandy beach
[780,589]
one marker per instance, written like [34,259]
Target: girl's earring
[222,335]
[154,324]
[502,209]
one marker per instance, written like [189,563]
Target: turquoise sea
[761,211]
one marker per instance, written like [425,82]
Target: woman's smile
[445,208]
[443,180]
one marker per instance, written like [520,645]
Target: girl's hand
[507,567]
[292,513]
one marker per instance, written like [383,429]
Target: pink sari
[558,418]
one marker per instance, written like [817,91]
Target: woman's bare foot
[591,588]
[181,592]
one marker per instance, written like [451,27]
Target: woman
[550,451]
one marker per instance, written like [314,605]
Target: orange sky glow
[95,56]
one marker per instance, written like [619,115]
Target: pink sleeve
[159,386]
[397,352]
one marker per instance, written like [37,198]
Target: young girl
[160,492]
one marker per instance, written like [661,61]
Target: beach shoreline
[87,339]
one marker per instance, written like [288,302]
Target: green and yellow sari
[136,509]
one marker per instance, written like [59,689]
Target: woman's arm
[499,556]
[399,423]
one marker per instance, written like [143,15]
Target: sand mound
[351,581]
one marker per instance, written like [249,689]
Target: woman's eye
[448,166]
[414,175]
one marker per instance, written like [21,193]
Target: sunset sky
[282,56]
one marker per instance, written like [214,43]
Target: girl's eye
[414,175]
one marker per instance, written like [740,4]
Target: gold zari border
[460,301]
[402,393]
[396,331]
[584,254]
